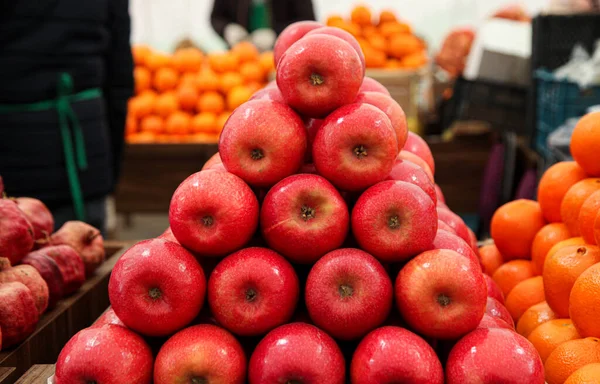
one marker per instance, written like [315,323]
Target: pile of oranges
[187,96]
[546,261]
[386,42]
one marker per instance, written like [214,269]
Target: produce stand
[57,326]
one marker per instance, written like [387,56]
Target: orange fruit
[533,317]
[254,86]
[166,104]
[361,15]
[369,30]
[140,106]
[514,226]
[157,60]
[490,258]
[351,28]
[252,71]
[569,357]
[374,58]
[237,96]
[142,79]
[525,294]
[188,78]
[267,62]
[222,119]
[333,19]
[387,16]
[549,335]
[597,229]
[414,60]
[587,217]
[584,302]
[211,102]
[562,269]
[140,54]
[508,275]
[246,51]
[207,80]
[204,122]
[206,137]
[588,374]
[565,243]
[141,138]
[187,60]
[393,64]
[403,44]
[187,97]
[574,199]
[223,61]
[165,79]
[554,184]
[544,240]
[131,125]
[585,143]
[178,123]
[230,80]
[152,124]
[378,42]
[394,28]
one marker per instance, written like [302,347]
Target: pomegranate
[69,263]
[39,216]
[29,276]
[50,272]
[16,232]
[18,314]
[85,240]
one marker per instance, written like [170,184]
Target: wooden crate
[38,374]
[57,326]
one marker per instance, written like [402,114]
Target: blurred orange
[238,96]
[166,104]
[375,58]
[361,15]
[140,54]
[585,143]
[246,51]
[187,60]
[387,16]
[223,61]
[187,97]
[490,257]
[204,122]
[402,45]
[152,124]
[207,80]
[414,60]
[377,41]
[165,79]
[140,106]
[333,20]
[222,119]
[178,123]
[157,60]
[142,79]
[230,80]
[554,184]
[131,125]
[252,71]
[266,61]
[188,78]
[394,28]
[369,30]
[211,102]
[141,138]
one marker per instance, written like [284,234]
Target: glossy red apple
[38,215]
[418,146]
[168,235]
[440,194]
[495,308]
[157,287]
[270,93]
[394,221]
[494,355]
[488,321]
[253,291]
[297,353]
[453,220]
[389,354]
[392,109]
[109,354]
[441,294]
[16,232]
[201,354]
[213,160]
[303,217]
[346,36]
[348,293]
[205,222]
[109,317]
[290,35]
[356,147]
[262,142]
[406,155]
[448,240]
[319,74]
[410,172]
[372,85]
[445,227]
[493,290]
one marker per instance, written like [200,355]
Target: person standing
[67,73]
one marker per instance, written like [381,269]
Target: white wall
[161,23]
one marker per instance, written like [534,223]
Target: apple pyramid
[314,247]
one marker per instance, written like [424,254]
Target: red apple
[168,235]
[348,293]
[303,217]
[312,127]
[496,309]
[262,142]
[448,240]
[109,354]
[488,321]
[213,160]
[445,227]
[297,353]
[18,313]
[201,354]
[406,155]
[473,241]
[290,35]
[213,213]
[268,93]
[410,172]
[389,354]
[394,221]
[157,287]
[418,146]
[86,240]
[355,147]
[439,193]
[392,109]
[16,232]
[38,215]
[372,85]
[493,290]
[453,220]
[319,74]
[494,355]
[109,317]
[441,294]
[346,36]
[29,276]
[253,291]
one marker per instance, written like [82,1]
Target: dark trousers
[95,214]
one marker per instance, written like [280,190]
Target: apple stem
[154,293]
[345,290]
[394,222]
[307,213]
[251,295]
[316,79]
[207,221]
[443,300]
[257,154]
[360,151]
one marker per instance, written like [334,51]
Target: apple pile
[38,267]
[314,247]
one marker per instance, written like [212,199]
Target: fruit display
[545,261]
[386,41]
[187,96]
[313,248]
[39,267]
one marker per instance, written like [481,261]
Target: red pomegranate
[29,276]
